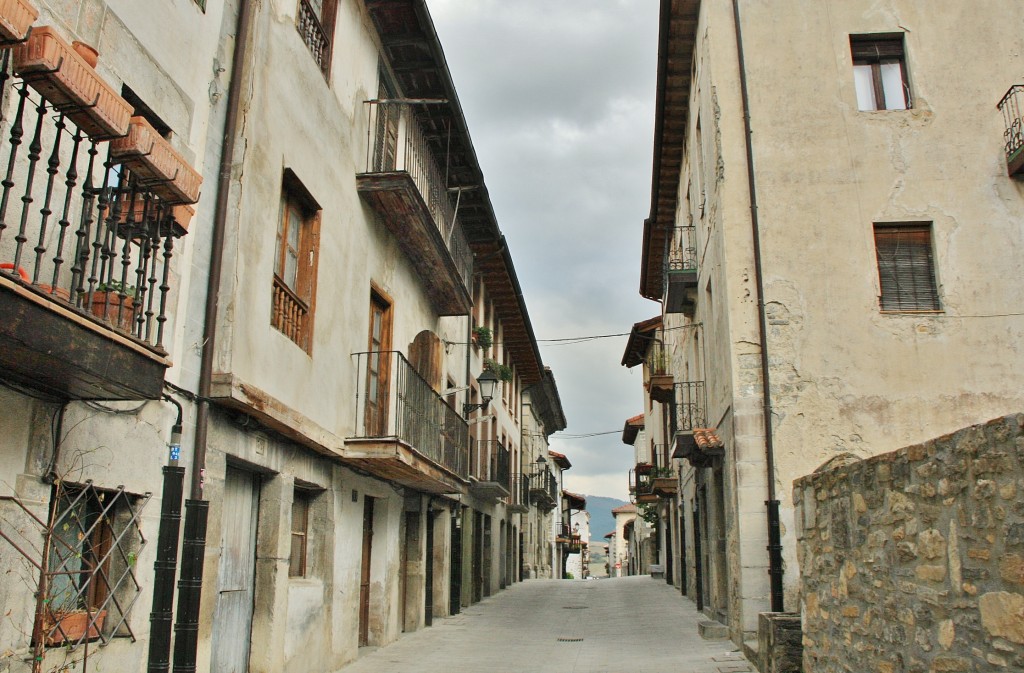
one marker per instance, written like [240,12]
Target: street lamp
[488,385]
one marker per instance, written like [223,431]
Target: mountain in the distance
[601,519]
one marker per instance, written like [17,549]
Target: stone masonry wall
[914,560]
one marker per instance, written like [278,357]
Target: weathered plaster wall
[914,560]
[846,377]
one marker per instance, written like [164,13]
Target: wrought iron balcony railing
[1012,108]
[76,228]
[569,538]
[543,488]
[490,462]
[314,36]
[394,401]
[680,269]
[396,144]
[689,409]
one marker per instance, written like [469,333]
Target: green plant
[648,513]
[570,576]
[503,372]
[116,286]
[483,337]
[661,472]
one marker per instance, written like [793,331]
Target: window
[316,26]
[91,583]
[378,371]
[300,530]
[295,263]
[906,268]
[880,72]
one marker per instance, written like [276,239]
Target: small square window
[880,72]
[297,559]
[295,263]
[906,267]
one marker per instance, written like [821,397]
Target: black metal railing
[1012,108]
[543,486]
[681,254]
[659,453]
[689,411]
[520,493]
[75,227]
[490,462]
[394,401]
[395,142]
[657,359]
[570,538]
[314,36]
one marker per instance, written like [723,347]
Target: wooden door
[386,149]
[364,573]
[428,598]
[236,575]
[378,366]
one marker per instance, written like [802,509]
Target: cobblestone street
[625,625]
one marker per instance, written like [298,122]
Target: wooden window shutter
[425,355]
[906,268]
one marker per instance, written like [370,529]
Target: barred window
[906,267]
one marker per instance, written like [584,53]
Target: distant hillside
[601,519]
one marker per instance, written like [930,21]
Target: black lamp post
[488,385]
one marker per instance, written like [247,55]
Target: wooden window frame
[293,308]
[326,23]
[907,279]
[878,49]
[302,502]
[376,420]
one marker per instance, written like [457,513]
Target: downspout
[196,508]
[774,535]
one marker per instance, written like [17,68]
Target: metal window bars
[396,143]
[77,228]
[85,564]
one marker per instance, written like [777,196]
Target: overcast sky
[559,98]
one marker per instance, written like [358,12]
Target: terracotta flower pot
[73,625]
[16,16]
[54,69]
[54,292]
[154,161]
[87,52]
[107,305]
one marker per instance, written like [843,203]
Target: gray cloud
[559,98]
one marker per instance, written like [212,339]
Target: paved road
[625,625]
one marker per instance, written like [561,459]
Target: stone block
[710,630]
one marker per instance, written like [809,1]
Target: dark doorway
[364,573]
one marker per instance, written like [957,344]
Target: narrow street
[624,625]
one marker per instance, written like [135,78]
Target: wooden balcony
[404,185]
[406,433]
[85,259]
[659,381]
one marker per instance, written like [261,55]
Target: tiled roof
[707,438]
[639,340]
[573,497]
[631,428]
[611,534]
[628,508]
[560,459]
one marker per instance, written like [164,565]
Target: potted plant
[114,302]
[482,337]
[57,71]
[74,625]
[503,372]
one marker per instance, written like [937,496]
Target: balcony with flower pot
[86,244]
[659,381]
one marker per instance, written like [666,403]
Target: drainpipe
[196,508]
[166,553]
[772,503]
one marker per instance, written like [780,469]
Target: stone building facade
[827,283]
[299,344]
[914,560]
